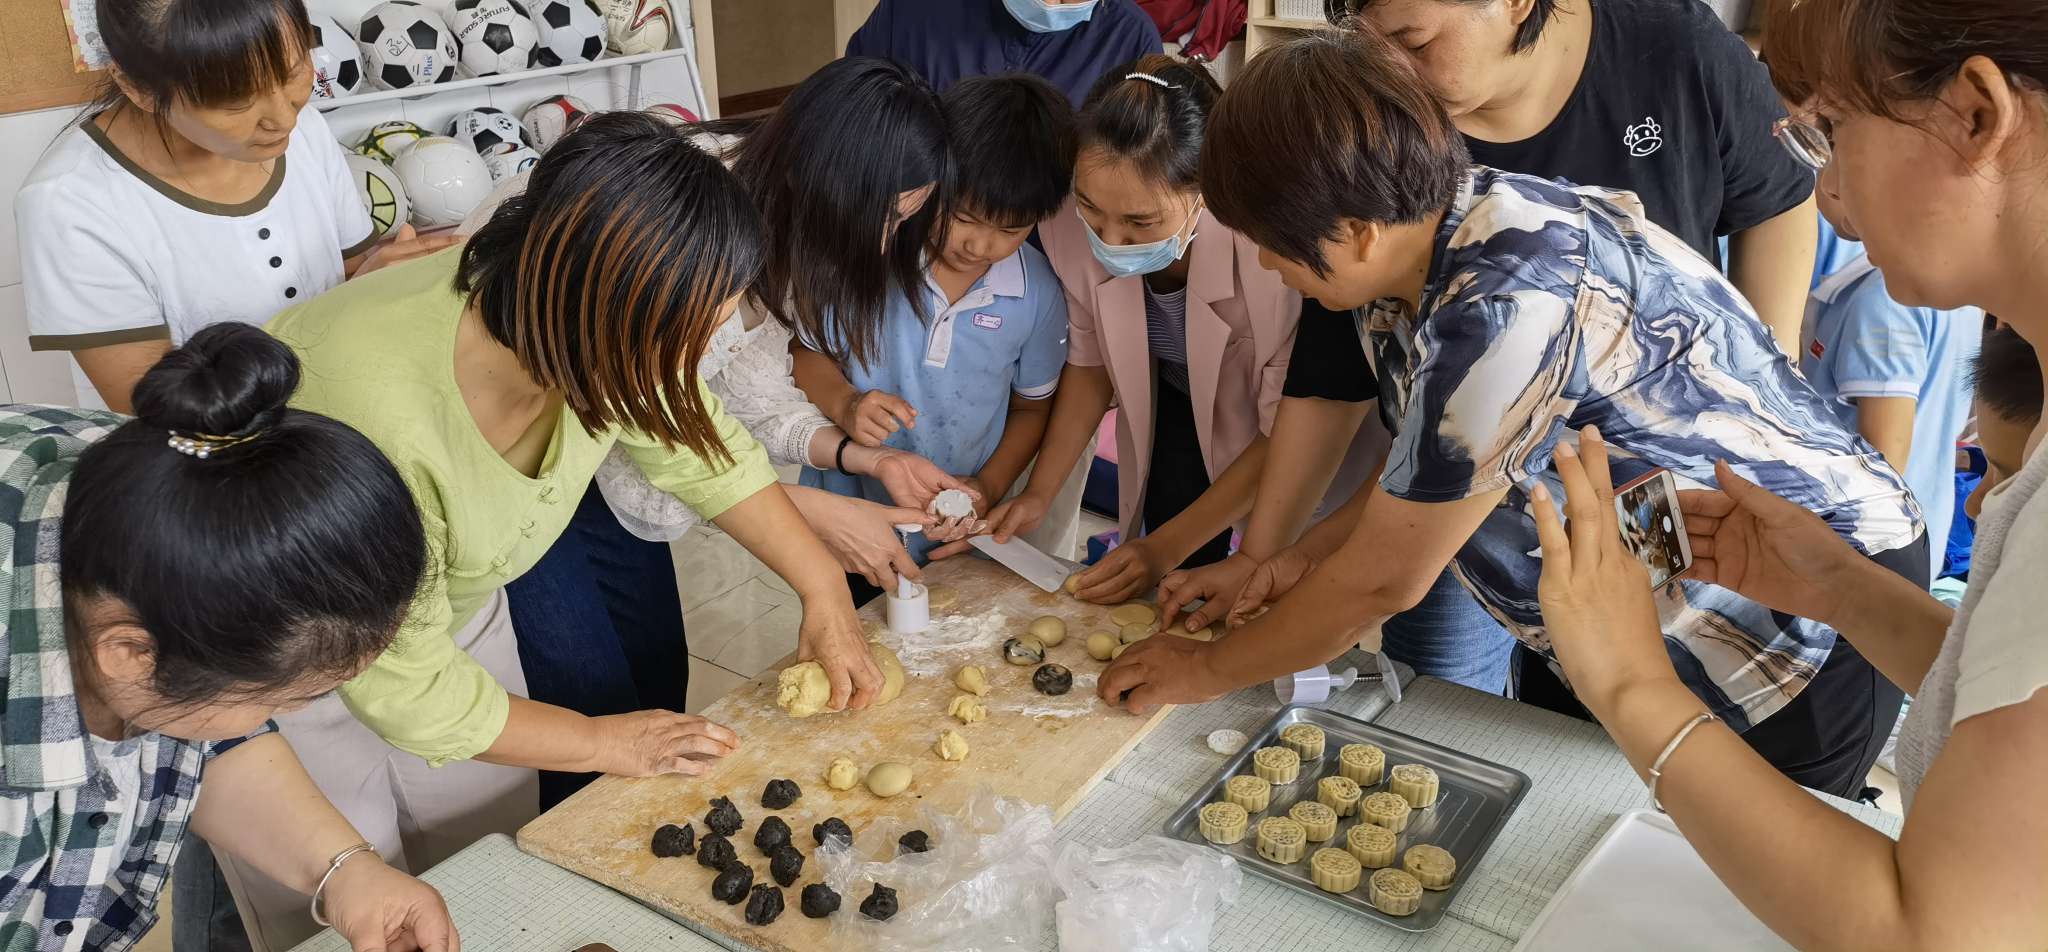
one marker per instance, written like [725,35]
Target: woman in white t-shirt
[199,188]
[1929,122]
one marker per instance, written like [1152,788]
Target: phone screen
[1652,526]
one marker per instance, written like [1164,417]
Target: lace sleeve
[757,389]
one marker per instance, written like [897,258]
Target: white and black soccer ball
[387,139]
[405,44]
[639,26]
[486,129]
[381,192]
[495,36]
[337,63]
[571,31]
[443,179]
[675,113]
[552,118]
[504,165]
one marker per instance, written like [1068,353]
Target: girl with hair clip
[1928,121]
[497,377]
[218,560]
[1172,319]
[199,187]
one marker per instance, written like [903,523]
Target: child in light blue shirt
[965,380]
[1898,375]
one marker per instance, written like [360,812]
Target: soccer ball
[571,31]
[382,194]
[504,165]
[495,36]
[486,129]
[386,140]
[337,66]
[639,26]
[675,114]
[444,180]
[552,118]
[405,45]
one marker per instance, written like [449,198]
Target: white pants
[1058,534]
[415,815]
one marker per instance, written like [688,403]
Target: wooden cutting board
[1044,750]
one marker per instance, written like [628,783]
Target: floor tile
[761,644]
[710,564]
[714,624]
[708,683]
[1891,802]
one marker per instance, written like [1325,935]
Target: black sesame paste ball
[672,840]
[780,794]
[715,852]
[819,901]
[772,833]
[786,864]
[764,904]
[833,826]
[915,841]
[880,904]
[724,818]
[732,883]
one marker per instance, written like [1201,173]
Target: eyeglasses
[1807,141]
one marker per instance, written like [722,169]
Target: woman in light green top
[497,377]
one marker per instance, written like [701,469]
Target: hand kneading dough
[802,689]
[971,679]
[892,672]
[1133,613]
[950,746]
[1048,629]
[1072,584]
[888,780]
[1100,644]
[842,774]
[967,709]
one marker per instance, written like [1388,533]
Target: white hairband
[1148,77]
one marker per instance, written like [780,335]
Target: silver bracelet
[1657,768]
[334,866]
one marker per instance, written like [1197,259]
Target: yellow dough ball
[842,774]
[967,709]
[972,679]
[1048,629]
[950,746]
[1133,613]
[801,690]
[1100,645]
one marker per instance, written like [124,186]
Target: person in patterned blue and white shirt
[1507,313]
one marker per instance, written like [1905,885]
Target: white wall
[27,377]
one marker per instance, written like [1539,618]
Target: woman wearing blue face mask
[1172,319]
[1069,42]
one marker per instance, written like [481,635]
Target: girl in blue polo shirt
[968,379]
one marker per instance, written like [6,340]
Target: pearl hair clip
[204,445]
[1154,80]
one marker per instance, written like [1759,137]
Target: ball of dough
[1048,629]
[802,689]
[841,774]
[1024,650]
[892,672]
[942,598]
[1133,613]
[971,679]
[1135,632]
[967,709]
[1100,644]
[1118,651]
[889,779]
[950,746]
[1072,584]
[1053,679]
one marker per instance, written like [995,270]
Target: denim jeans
[203,914]
[1447,635]
[600,626]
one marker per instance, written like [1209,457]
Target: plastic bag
[986,883]
[1154,895]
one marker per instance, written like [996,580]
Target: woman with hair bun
[176,580]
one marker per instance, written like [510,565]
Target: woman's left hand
[912,480]
[831,635]
[1162,669]
[1598,607]
[404,245]
[379,909]
[1127,571]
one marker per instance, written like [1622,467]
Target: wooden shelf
[1288,23]
[481,82]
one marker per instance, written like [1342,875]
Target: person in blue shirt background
[969,383]
[1069,42]
[1898,375]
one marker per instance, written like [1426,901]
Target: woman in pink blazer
[1170,317]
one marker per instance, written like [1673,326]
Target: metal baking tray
[1475,798]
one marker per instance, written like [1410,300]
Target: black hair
[1014,145]
[2008,375]
[608,275]
[825,170]
[292,555]
[1158,128]
[1526,35]
[1366,141]
[202,52]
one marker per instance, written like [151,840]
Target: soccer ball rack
[633,64]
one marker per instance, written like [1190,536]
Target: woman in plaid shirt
[171,583]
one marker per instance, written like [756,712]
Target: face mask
[1038,16]
[1122,261]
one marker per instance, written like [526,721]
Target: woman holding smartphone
[1512,311]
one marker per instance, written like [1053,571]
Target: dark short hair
[293,555]
[2008,375]
[607,275]
[1881,56]
[1157,128]
[1328,127]
[1013,148]
[825,170]
[1526,35]
[203,52]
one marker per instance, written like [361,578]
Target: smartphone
[1652,526]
